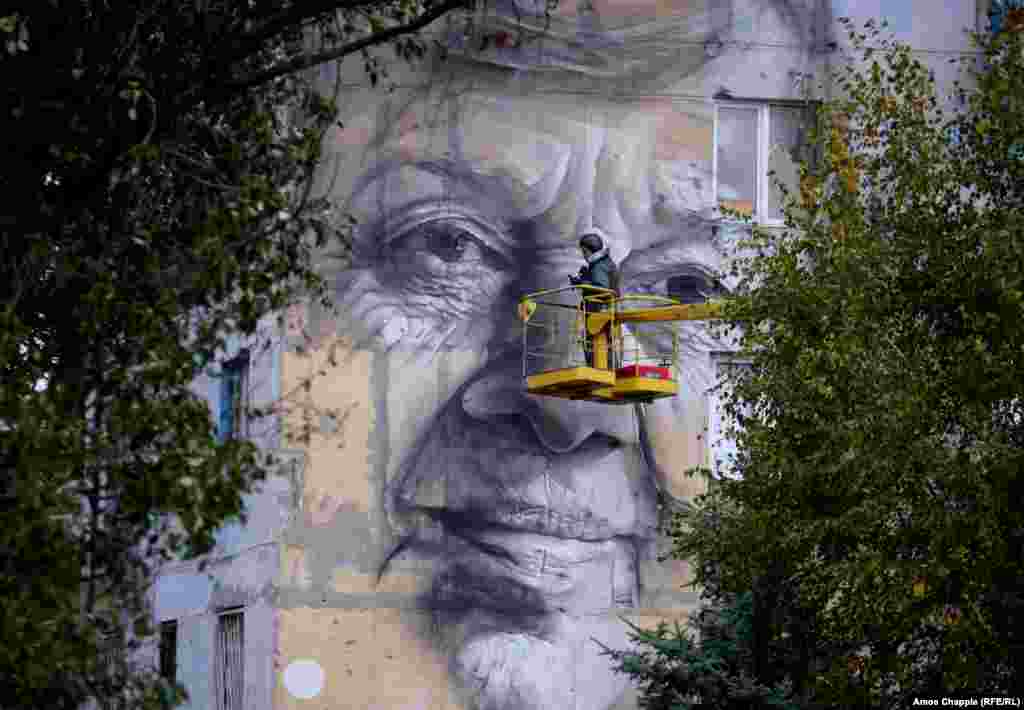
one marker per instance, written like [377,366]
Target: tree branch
[286,19]
[311,60]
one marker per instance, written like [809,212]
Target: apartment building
[442,540]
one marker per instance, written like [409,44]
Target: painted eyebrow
[694,247]
[504,193]
[442,168]
[399,210]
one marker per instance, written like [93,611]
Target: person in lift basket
[599,271]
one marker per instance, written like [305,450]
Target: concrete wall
[194,598]
[241,571]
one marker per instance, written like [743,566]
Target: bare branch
[300,63]
[301,12]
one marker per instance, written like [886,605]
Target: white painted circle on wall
[304,679]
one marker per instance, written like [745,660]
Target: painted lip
[526,556]
[519,583]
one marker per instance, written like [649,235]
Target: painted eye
[443,239]
[449,243]
[691,288]
[688,287]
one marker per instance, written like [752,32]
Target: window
[229,677]
[169,650]
[1006,14]
[721,451]
[750,141]
[234,386]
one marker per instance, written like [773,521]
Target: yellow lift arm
[681,311]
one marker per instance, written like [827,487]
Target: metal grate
[229,681]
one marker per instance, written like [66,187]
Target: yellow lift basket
[586,343]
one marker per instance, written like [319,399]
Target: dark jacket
[601,271]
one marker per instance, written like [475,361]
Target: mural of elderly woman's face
[535,514]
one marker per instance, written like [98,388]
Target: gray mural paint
[380,442]
[532,522]
[538,520]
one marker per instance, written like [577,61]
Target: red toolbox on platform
[652,371]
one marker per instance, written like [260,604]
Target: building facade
[444,540]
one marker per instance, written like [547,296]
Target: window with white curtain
[229,666]
[752,139]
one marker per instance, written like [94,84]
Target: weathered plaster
[242,571]
[370,658]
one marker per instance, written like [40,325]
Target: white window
[721,447]
[752,139]
[229,668]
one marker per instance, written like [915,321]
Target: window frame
[237,368]
[762,183]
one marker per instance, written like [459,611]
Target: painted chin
[520,613]
[561,671]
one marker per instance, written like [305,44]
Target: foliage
[745,649]
[882,328]
[677,672]
[879,426]
[709,663]
[156,181]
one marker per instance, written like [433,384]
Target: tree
[712,661]
[156,177]
[879,427]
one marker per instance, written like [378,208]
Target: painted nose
[560,424]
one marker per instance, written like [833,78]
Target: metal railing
[560,325]
[555,335]
[654,343]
